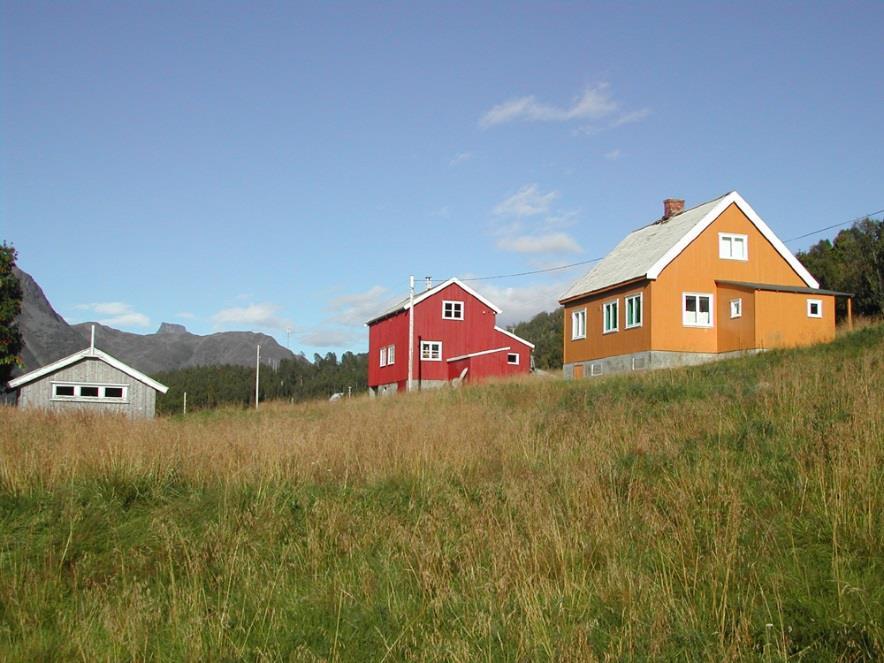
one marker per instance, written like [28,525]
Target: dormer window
[452,310]
[733,247]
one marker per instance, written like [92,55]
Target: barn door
[578,371]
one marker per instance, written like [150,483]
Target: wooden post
[850,313]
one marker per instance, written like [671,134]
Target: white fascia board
[453,281]
[513,336]
[732,198]
[86,354]
[478,354]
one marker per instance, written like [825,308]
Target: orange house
[697,285]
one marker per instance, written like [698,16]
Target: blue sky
[285,166]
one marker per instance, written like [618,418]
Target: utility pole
[257,375]
[410,332]
[185,403]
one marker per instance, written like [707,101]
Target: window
[736,308]
[578,324]
[696,310]
[512,358]
[391,355]
[733,247]
[814,308]
[633,311]
[431,350]
[383,361]
[69,391]
[452,310]
[595,369]
[611,316]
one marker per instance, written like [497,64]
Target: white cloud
[523,303]
[558,242]
[633,116]
[119,314]
[359,307]
[613,155]
[460,158]
[594,103]
[253,315]
[327,337]
[527,201]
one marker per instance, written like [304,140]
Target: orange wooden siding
[598,344]
[735,333]
[696,269]
[781,320]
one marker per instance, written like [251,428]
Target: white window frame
[78,397]
[431,350]
[684,309]
[510,356]
[578,324]
[391,355]
[736,308]
[819,308]
[456,308]
[383,357]
[616,304]
[726,246]
[595,370]
[641,318]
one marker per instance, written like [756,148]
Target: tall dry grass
[725,512]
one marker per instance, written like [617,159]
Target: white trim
[477,354]
[512,354]
[736,311]
[684,299]
[382,357]
[85,354]
[454,303]
[732,237]
[430,344]
[819,307]
[616,327]
[577,337]
[641,312]
[514,337]
[77,396]
[706,221]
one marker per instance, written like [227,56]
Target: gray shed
[89,380]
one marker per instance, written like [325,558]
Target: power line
[536,271]
[836,225]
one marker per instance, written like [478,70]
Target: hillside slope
[726,512]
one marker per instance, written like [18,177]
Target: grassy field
[726,512]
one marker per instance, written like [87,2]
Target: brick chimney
[671,207]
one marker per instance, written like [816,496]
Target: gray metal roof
[639,251]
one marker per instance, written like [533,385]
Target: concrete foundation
[648,360]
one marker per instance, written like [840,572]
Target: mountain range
[48,337]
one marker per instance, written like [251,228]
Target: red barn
[455,335]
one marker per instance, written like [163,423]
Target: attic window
[733,247]
[452,310]
[512,358]
[71,391]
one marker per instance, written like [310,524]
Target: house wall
[735,333]
[781,320]
[696,269]
[141,399]
[474,333]
[597,344]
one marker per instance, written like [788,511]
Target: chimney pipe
[671,207]
[428,282]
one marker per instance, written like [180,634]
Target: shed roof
[783,288]
[645,252]
[93,353]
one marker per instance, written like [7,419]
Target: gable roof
[645,252]
[90,352]
[403,305]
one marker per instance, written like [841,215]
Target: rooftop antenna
[92,342]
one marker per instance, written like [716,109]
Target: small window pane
[704,304]
[91,392]
[113,392]
[64,390]
[690,305]
[512,358]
